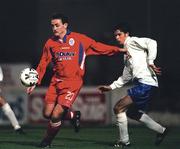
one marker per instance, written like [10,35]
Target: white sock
[121,119]
[10,115]
[150,123]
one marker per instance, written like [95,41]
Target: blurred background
[25,26]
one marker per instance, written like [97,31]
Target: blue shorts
[140,95]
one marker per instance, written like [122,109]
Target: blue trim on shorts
[140,95]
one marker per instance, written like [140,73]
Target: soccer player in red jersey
[67,51]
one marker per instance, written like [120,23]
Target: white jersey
[142,51]
[1,74]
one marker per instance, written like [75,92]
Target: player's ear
[65,25]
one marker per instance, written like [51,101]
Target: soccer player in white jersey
[139,68]
[8,111]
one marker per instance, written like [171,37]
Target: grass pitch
[87,138]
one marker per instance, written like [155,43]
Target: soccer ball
[29,77]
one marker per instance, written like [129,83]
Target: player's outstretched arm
[104,88]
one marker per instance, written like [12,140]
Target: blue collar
[64,38]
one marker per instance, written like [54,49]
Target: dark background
[25,26]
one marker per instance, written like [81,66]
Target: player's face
[58,27]
[120,36]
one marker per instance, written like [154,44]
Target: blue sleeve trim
[81,53]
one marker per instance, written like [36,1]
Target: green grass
[87,138]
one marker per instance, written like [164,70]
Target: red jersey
[68,56]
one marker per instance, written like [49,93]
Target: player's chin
[118,41]
[56,34]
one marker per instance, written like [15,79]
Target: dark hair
[60,16]
[123,26]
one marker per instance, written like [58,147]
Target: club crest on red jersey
[71,41]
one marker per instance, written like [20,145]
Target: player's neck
[61,36]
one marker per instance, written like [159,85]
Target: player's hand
[104,88]
[30,89]
[157,70]
[122,49]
